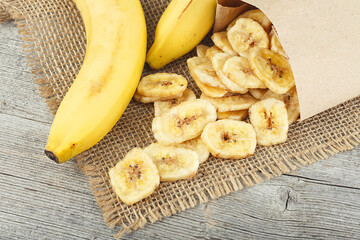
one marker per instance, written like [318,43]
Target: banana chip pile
[245,74]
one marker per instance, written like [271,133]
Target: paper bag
[322,41]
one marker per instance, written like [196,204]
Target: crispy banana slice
[246,34]
[207,75]
[208,90]
[162,106]
[198,146]
[218,62]
[238,70]
[275,44]
[270,120]
[145,99]
[210,53]
[173,163]
[204,72]
[183,122]
[162,85]
[221,41]
[257,93]
[259,17]
[231,103]
[201,50]
[233,115]
[135,177]
[291,103]
[272,69]
[230,139]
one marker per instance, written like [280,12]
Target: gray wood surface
[41,200]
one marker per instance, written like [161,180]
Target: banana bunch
[181,27]
[115,56]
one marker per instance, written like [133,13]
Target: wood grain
[41,200]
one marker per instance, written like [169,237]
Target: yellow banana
[114,60]
[181,27]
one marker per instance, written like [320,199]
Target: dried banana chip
[221,41]
[246,34]
[233,115]
[291,102]
[162,85]
[257,93]
[231,103]
[201,50]
[209,90]
[173,163]
[272,69]
[183,122]
[238,70]
[275,44]
[135,177]
[218,62]
[230,139]
[270,120]
[198,146]
[145,99]
[202,68]
[259,17]
[162,106]
[210,53]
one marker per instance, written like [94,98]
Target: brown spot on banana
[98,85]
[183,11]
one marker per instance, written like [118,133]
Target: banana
[257,93]
[238,70]
[115,56]
[145,99]
[272,69]
[135,177]
[198,146]
[291,102]
[221,41]
[234,115]
[245,34]
[201,50]
[162,106]
[163,85]
[275,44]
[206,74]
[230,139]
[173,163]
[181,27]
[231,103]
[270,120]
[218,62]
[183,122]
[259,17]
[210,53]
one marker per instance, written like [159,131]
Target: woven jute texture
[54,42]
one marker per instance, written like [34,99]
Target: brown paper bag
[322,40]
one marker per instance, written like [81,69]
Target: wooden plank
[42,200]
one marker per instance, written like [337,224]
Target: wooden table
[42,200]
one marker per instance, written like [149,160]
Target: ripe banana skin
[114,60]
[181,27]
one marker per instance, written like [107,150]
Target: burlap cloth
[54,41]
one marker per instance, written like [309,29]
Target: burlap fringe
[100,188]
[285,164]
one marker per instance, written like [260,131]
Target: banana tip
[51,155]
